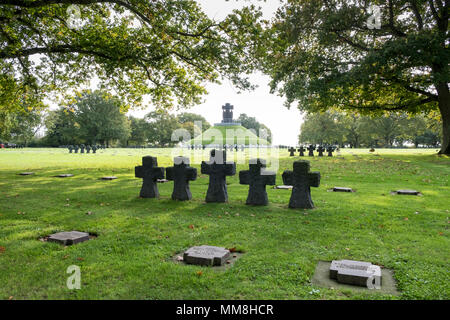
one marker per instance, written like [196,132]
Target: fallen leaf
[80,259]
[191,226]
[232,249]
[66,256]
[89,213]
[11,297]
[348,249]
[406,219]
[199,273]
[2,249]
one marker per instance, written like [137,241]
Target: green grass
[137,238]
[228,135]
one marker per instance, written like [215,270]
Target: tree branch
[416,12]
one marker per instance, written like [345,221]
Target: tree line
[99,118]
[356,130]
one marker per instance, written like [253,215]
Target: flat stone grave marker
[66,175]
[284,187]
[353,275]
[342,189]
[354,272]
[26,173]
[408,192]
[69,238]
[206,255]
[109,178]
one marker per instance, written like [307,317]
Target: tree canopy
[94,117]
[261,130]
[323,54]
[165,49]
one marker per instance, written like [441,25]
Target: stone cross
[311,149]
[301,150]
[94,148]
[301,180]
[82,148]
[320,149]
[149,172]
[330,150]
[218,169]
[76,148]
[292,152]
[70,149]
[257,178]
[88,148]
[181,173]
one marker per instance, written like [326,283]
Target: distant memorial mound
[229,131]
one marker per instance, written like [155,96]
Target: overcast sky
[265,107]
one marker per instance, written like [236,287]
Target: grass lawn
[132,258]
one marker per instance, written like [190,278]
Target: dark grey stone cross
[257,178]
[330,151]
[150,173]
[301,180]
[302,151]
[320,149]
[292,151]
[218,169]
[181,173]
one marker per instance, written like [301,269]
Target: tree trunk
[444,107]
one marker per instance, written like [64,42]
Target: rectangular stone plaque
[206,256]
[408,192]
[283,187]
[340,189]
[109,178]
[69,238]
[353,272]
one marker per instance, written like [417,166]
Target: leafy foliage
[167,50]
[355,130]
[321,54]
[92,118]
[261,129]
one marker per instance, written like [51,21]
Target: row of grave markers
[311,149]
[218,168]
[83,147]
[229,147]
